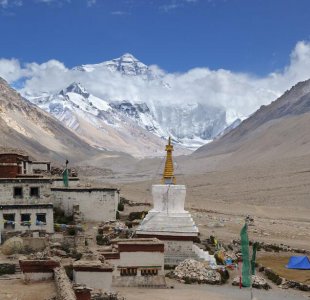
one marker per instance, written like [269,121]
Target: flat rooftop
[137,241]
[19,206]
[83,189]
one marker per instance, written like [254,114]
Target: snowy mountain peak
[127,57]
[127,64]
[76,88]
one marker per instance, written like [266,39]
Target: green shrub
[120,206]
[102,240]
[60,217]
[137,215]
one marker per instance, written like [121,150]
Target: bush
[102,240]
[137,215]
[69,271]
[71,231]
[60,217]
[6,268]
[76,255]
[120,206]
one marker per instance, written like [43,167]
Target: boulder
[12,245]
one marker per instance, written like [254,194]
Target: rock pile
[257,282]
[106,296]
[190,271]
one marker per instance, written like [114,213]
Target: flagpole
[250,261]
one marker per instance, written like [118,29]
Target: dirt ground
[203,292]
[277,263]
[276,194]
[18,290]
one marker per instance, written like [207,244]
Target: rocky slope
[115,126]
[24,126]
[276,130]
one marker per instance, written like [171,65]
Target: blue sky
[236,54]
[252,36]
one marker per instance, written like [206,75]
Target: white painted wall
[94,280]
[169,198]
[43,166]
[177,251]
[73,182]
[49,227]
[38,276]
[141,259]
[95,205]
[178,247]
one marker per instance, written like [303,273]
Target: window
[41,219]
[18,192]
[25,219]
[149,272]
[9,221]
[34,192]
[128,271]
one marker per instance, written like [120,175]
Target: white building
[23,217]
[95,204]
[137,262]
[19,185]
[93,273]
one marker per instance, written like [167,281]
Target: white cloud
[241,92]
[119,13]
[4,3]
[10,69]
[10,3]
[91,2]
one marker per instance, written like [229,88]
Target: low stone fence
[63,284]
[272,247]
[281,281]
[7,268]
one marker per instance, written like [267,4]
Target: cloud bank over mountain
[241,92]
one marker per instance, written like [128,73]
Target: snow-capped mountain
[26,127]
[97,119]
[118,126]
[127,65]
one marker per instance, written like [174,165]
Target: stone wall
[63,284]
[283,282]
[35,243]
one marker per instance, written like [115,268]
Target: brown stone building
[14,165]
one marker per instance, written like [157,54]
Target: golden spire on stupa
[168,176]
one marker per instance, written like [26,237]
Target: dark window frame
[23,222]
[7,218]
[18,195]
[129,271]
[37,219]
[149,272]
[34,195]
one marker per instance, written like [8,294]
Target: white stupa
[169,221]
